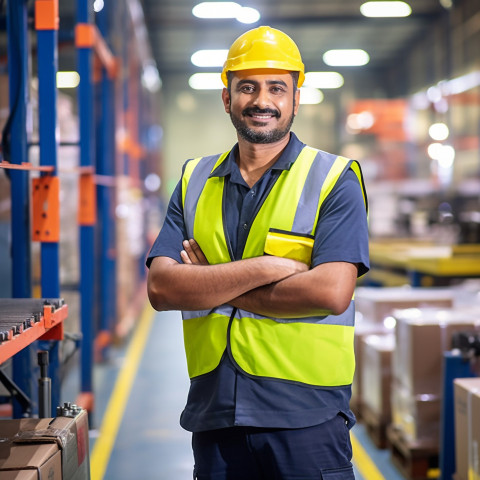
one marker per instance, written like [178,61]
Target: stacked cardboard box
[376,379]
[375,304]
[467,428]
[376,374]
[363,329]
[373,308]
[53,449]
[422,335]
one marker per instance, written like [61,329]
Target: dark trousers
[248,453]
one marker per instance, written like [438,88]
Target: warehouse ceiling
[315,25]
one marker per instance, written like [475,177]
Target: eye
[245,88]
[277,89]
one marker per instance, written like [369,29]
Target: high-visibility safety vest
[315,351]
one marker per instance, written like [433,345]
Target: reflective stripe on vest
[315,350]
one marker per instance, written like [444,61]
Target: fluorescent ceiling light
[346,58]
[385,9]
[248,15]
[323,80]
[98,5]
[356,122]
[209,58]
[310,96]
[226,10]
[206,81]
[460,84]
[438,131]
[68,79]
[150,77]
[216,10]
[443,154]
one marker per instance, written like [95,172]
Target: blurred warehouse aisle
[150,442]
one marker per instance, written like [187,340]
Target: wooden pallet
[415,461]
[376,426]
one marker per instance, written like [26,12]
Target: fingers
[198,252]
[185,258]
[189,253]
[192,253]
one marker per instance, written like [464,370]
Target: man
[261,249]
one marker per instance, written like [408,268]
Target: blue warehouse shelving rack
[115,109]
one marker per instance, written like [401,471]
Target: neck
[254,159]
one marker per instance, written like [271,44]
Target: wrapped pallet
[422,335]
[375,304]
[374,308]
[376,385]
[467,428]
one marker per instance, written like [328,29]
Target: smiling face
[262,104]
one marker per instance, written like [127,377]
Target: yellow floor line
[118,401]
[363,462]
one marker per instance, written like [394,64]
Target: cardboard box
[53,449]
[422,335]
[363,329]
[376,374]
[22,475]
[467,428]
[417,416]
[375,304]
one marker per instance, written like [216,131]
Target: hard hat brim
[263,66]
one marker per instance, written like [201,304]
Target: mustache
[264,111]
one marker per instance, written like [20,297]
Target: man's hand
[192,253]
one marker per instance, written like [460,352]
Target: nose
[262,99]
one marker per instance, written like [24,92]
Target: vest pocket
[282,243]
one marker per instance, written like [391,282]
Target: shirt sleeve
[169,241]
[342,228]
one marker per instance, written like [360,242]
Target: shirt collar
[284,162]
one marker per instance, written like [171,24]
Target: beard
[259,136]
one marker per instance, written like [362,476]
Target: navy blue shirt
[227,397]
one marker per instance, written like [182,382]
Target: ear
[226,100]
[297,101]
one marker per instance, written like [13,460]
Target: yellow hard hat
[264,47]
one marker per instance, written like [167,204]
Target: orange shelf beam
[50,327]
[26,166]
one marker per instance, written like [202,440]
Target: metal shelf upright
[106,193]
[45,188]
[84,40]
[18,75]
[46,26]
[97,159]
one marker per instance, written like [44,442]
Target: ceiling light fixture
[98,5]
[310,96]
[68,79]
[151,78]
[216,10]
[209,58]
[323,80]
[248,15]
[226,10]
[346,58]
[385,9]
[438,131]
[206,81]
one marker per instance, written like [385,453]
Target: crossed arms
[266,285]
